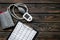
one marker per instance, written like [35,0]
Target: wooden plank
[49,23]
[44,17]
[4,34]
[45,27]
[49,35]
[47,39]
[37,39]
[30,1]
[41,27]
[2,38]
[44,35]
[37,8]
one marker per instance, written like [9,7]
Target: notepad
[22,32]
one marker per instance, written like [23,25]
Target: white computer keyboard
[22,32]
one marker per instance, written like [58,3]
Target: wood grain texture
[45,27]
[44,35]
[4,34]
[37,8]
[30,1]
[46,18]
[41,27]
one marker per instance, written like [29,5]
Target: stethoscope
[22,8]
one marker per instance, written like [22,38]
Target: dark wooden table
[46,18]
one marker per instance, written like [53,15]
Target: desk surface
[46,18]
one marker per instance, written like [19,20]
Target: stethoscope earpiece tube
[22,9]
